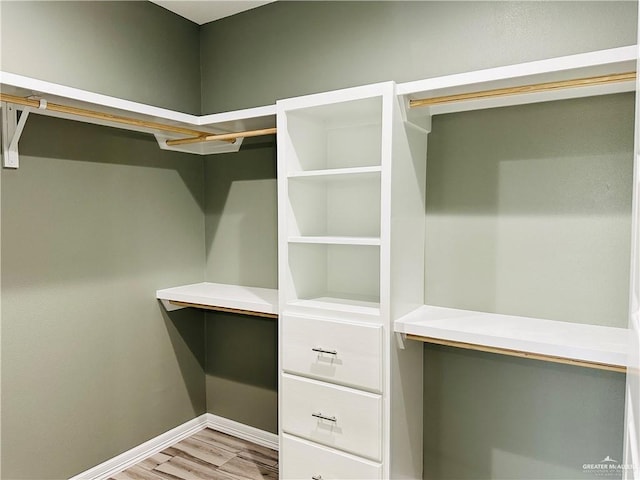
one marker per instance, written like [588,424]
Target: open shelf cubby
[335,136]
[335,205]
[344,278]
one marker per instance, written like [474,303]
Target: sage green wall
[241,215]
[290,48]
[129,49]
[488,416]
[241,245]
[93,223]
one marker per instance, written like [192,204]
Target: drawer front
[336,352]
[332,415]
[300,459]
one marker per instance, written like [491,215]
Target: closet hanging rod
[223,136]
[519,353]
[532,88]
[81,112]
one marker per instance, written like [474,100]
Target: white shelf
[336,240]
[336,172]
[584,65]
[235,121]
[572,341]
[344,305]
[218,296]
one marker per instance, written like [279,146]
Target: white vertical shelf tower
[351,245]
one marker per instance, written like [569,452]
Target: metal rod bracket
[12,128]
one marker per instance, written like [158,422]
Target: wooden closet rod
[518,353]
[534,88]
[81,112]
[223,136]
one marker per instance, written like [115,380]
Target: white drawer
[350,354]
[300,459]
[332,415]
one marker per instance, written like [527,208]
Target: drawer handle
[322,350]
[316,477]
[324,417]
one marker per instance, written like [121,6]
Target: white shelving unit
[217,296]
[501,330]
[106,106]
[343,157]
[330,196]
[587,345]
[352,229]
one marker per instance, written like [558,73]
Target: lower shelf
[344,305]
[256,301]
[573,343]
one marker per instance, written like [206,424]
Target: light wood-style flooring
[207,454]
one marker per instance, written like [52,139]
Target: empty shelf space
[334,205]
[336,172]
[580,344]
[343,278]
[336,240]
[217,296]
[332,136]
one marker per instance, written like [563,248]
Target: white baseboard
[147,449]
[240,430]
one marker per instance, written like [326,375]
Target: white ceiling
[204,11]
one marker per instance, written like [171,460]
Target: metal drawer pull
[316,477]
[324,417]
[322,350]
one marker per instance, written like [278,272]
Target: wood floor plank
[203,451]
[221,440]
[136,473]
[153,461]
[259,449]
[268,457]
[186,469]
[260,453]
[242,469]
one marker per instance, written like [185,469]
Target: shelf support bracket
[400,339]
[12,128]
[169,307]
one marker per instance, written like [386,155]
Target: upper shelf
[586,65]
[333,173]
[219,123]
[256,301]
[587,345]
